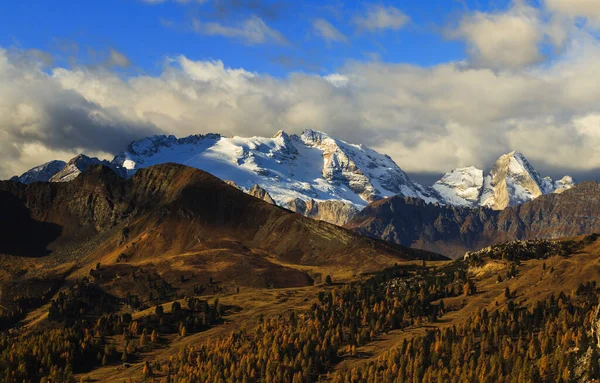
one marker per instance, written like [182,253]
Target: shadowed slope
[20,234]
[453,231]
[180,221]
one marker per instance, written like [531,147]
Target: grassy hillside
[342,331]
[156,281]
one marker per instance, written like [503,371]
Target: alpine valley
[172,233]
[175,234]
[181,261]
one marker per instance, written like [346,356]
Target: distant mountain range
[454,230]
[316,175]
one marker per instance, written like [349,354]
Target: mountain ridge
[169,210]
[511,181]
[454,230]
[317,175]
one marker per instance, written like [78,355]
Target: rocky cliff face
[336,212]
[261,193]
[453,230]
[511,181]
[366,172]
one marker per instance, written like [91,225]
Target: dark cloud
[41,117]
[72,122]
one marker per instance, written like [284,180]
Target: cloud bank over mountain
[428,119]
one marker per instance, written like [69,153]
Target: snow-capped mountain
[315,174]
[511,181]
[60,171]
[460,186]
[294,169]
[78,165]
[563,184]
[41,173]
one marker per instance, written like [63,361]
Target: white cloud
[588,9]
[327,31]
[39,112]
[337,80]
[428,119]
[508,39]
[379,17]
[251,31]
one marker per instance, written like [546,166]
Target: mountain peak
[515,162]
[314,132]
[147,145]
[76,166]
[513,153]
[563,184]
[79,159]
[315,137]
[461,186]
[519,163]
[317,168]
[312,166]
[41,173]
[511,181]
[281,133]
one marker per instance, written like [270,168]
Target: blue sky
[436,85]
[147,33]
